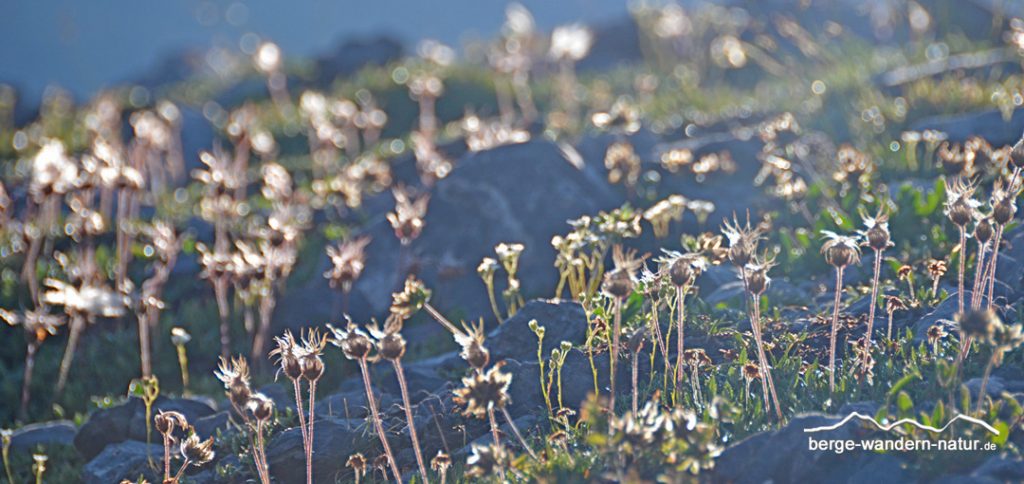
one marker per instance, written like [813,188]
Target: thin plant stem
[220,290]
[835,328]
[994,264]
[762,355]
[26,383]
[300,409]
[984,381]
[874,304]
[441,319]
[409,418]
[309,432]
[888,332]
[494,432]
[636,361]
[515,431]
[379,427]
[494,301]
[963,267]
[74,334]
[614,356]
[680,320]
[979,280]
[167,458]
[144,344]
[261,456]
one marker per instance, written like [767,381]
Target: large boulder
[43,434]
[124,460]
[783,455]
[515,193]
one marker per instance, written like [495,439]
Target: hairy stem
[963,266]
[874,304]
[835,328]
[378,425]
[309,432]
[408,417]
[74,334]
[614,356]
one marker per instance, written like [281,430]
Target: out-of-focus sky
[85,45]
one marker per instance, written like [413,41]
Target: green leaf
[904,403]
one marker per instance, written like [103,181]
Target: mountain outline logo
[865,418]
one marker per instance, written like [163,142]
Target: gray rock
[993,388]
[562,320]
[783,455]
[127,421]
[334,440]
[987,124]
[515,193]
[43,434]
[124,460]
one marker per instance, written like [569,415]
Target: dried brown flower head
[288,353]
[197,452]
[960,203]
[348,260]
[486,461]
[166,421]
[484,391]
[620,281]
[743,240]
[354,343]
[234,374]
[407,219]
[840,250]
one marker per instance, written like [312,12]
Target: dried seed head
[979,323]
[1004,202]
[1017,154]
[485,461]
[743,240]
[288,355]
[234,374]
[893,304]
[756,274]
[983,230]
[347,262]
[197,452]
[313,344]
[472,342]
[407,219]
[904,272]
[840,250]
[484,391]
[391,346]
[751,371]
[357,462]
[312,367]
[960,204]
[354,343]
[876,230]
[935,333]
[936,268]
[619,282]
[261,407]
[681,272]
[1003,211]
[441,462]
[166,422]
